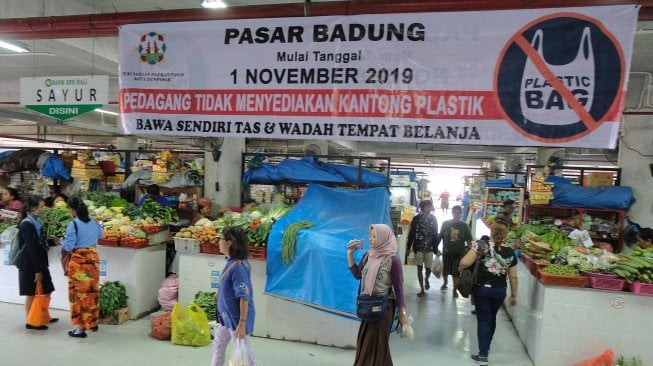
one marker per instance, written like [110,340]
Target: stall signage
[534,77]
[103,267]
[215,279]
[64,97]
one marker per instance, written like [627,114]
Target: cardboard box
[119,316]
[599,179]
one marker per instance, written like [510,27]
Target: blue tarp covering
[5,154]
[499,183]
[54,169]
[568,195]
[319,275]
[310,170]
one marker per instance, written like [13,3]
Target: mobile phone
[356,244]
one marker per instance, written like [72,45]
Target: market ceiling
[79,37]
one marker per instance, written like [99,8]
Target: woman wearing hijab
[33,260]
[381,273]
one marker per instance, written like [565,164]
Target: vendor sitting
[645,238]
[9,199]
[248,205]
[204,205]
[153,193]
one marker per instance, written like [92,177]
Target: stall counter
[140,270]
[275,317]
[564,325]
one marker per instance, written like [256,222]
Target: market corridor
[444,335]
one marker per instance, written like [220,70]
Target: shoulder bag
[370,307]
[468,279]
[66,255]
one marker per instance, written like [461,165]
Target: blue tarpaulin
[319,275]
[568,195]
[311,170]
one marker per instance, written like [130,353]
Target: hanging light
[13,47]
[213,4]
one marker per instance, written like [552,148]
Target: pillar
[226,172]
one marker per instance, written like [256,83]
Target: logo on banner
[152,48]
[560,77]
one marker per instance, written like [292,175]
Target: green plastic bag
[190,327]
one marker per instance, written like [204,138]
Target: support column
[225,172]
[635,161]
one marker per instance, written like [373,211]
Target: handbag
[38,313]
[66,255]
[467,280]
[371,308]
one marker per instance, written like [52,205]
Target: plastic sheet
[319,275]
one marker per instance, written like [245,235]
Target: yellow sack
[190,327]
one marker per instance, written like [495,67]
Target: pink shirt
[14,205]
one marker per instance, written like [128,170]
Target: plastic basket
[258,253]
[209,249]
[108,242]
[603,283]
[126,243]
[565,281]
[187,245]
[599,275]
[641,288]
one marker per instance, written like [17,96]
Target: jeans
[488,301]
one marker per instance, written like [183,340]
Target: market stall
[563,325]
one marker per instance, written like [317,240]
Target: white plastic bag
[406,330]
[238,354]
[436,267]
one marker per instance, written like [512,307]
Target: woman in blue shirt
[81,239]
[235,298]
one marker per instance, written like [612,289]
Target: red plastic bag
[39,313]
[604,359]
[161,326]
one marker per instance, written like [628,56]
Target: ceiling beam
[107,24]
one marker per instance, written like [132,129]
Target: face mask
[540,102]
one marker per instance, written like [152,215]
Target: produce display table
[275,317]
[140,270]
[563,325]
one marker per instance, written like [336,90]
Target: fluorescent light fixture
[107,112]
[213,4]
[12,47]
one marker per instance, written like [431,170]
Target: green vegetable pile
[557,239]
[636,267]
[54,221]
[100,198]
[113,296]
[154,210]
[206,301]
[633,361]
[561,270]
[289,240]
[4,227]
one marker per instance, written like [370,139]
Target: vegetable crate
[119,316]
[258,253]
[108,242]
[641,288]
[187,245]
[134,243]
[209,249]
[603,283]
[565,281]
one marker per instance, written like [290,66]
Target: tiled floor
[444,328]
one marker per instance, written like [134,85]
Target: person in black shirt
[423,238]
[496,263]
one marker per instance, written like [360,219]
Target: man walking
[423,239]
[455,235]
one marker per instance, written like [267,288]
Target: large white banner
[541,77]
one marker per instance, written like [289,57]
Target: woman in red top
[10,200]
